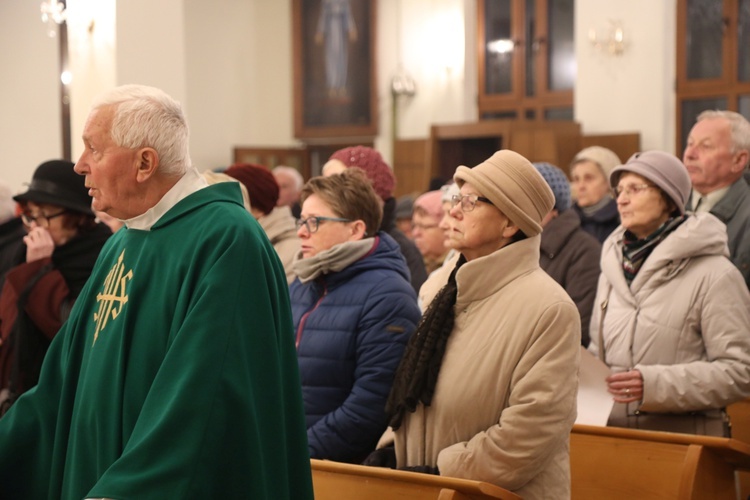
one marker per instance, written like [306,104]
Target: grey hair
[148,117]
[293,172]
[739,127]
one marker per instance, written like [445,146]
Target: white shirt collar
[709,200]
[188,184]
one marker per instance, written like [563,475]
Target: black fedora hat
[56,183]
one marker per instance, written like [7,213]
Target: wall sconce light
[53,14]
[611,41]
[402,84]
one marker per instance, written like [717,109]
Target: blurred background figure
[448,191]
[717,156]
[569,254]
[276,221]
[61,246]
[290,183]
[404,211]
[213,177]
[353,311]
[11,231]
[383,181]
[428,236]
[594,203]
[672,319]
[112,223]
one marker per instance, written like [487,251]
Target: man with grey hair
[717,155]
[176,374]
[290,183]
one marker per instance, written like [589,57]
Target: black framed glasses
[468,201]
[42,220]
[313,223]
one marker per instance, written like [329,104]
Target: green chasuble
[175,376]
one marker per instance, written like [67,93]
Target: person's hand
[626,387]
[39,244]
[382,457]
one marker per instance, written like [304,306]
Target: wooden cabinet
[526,59]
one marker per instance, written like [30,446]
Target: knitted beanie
[559,184]
[260,183]
[431,203]
[663,169]
[605,158]
[370,161]
[514,186]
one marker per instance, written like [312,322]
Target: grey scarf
[333,260]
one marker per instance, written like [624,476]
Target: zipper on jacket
[304,317]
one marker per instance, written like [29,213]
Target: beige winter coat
[684,322]
[505,399]
[282,232]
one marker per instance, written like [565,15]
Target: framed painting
[334,68]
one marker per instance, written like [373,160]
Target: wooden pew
[337,481]
[613,463]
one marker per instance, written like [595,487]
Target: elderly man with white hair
[176,374]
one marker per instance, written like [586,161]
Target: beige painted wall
[229,62]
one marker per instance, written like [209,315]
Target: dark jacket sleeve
[582,278]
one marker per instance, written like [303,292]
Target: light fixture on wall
[402,84]
[53,14]
[609,41]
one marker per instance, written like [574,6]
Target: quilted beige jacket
[684,322]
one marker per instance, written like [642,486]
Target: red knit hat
[377,170]
[260,183]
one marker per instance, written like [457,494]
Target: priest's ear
[147,164]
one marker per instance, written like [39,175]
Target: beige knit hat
[514,186]
[605,158]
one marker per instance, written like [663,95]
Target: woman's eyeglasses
[632,189]
[468,201]
[313,223]
[42,220]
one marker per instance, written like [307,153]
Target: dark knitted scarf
[635,251]
[418,371]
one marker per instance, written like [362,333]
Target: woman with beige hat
[594,204]
[672,313]
[487,387]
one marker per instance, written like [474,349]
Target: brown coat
[505,399]
[571,256]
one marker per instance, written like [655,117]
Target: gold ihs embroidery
[113,291]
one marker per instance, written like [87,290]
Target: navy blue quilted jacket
[352,327]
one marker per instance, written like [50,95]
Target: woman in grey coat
[672,314]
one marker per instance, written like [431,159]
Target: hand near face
[39,244]
[626,387]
